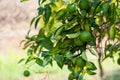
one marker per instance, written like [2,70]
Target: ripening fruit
[84,4]
[80,62]
[26,73]
[85,36]
[118,61]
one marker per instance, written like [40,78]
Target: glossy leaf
[59,60]
[90,72]
[51,23]
[36,22]
[47,13]
[32,21]
[39,61]
[73,35]
[59,31]
[68,29]
[91,66]
[40,10]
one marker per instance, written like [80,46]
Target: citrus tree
[71,29]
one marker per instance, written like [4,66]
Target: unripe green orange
[84,4]
[85,36]
[26,73]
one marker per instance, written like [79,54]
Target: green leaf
[46,61]
[23,0]
[98,7]
[28,37]
[118,12]
[84,56]
[46,54]
[47,13]
[60,14]
[112,32]
[92,51]
[91,66]
[73,35]
[92,43]
[71,76]
[36,22]
[51,23]
[90,72]
[105,9]
[21,60]
[34,38]
[70,68]
[39,61]
[80,77]
[40,10]
[80,62]
[30,50]
[41,33]
[42,1]
[59,31]
[65,44]
[59,60]
[112,13]
[32,21]
[96,2]
[46,43]
[27,44]
[53,4]
[39,2]
[28,60]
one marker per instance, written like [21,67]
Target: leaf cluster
[69,28]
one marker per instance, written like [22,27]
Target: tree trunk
[102,76]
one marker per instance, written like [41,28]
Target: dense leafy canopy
[69,28]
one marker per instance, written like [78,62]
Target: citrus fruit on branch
[85,36]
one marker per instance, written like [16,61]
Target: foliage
[71,28]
